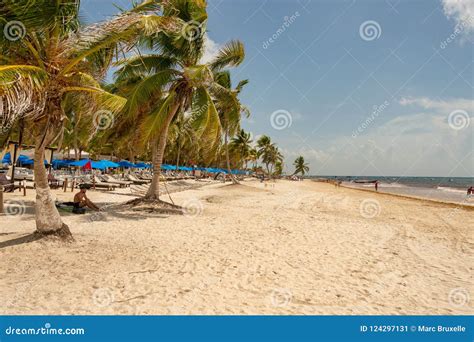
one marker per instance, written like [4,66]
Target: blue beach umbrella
[109,164]
[143,165]
[6,158]
[98,165]
[57,163]
[168,167]
[94,164]
[126,164]
[80,163]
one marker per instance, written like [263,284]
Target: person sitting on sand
[81,200]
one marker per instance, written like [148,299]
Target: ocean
[452,189]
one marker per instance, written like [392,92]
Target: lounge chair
[98,184]
[144,177]
[135,180]
[111,180]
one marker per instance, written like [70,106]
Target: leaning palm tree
[176,76]
[300,166]
[46,58]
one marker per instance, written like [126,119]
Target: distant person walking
[376,185]
[470,191]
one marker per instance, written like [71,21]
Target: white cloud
[424,143]
[440,106]
[462,11]
[211,48]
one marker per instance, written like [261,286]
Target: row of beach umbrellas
[106,164]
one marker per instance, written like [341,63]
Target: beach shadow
[131,215]
[20,240]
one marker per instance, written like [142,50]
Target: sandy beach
[275,248]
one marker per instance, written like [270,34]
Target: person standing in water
[376,185]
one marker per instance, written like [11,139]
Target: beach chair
[10,186]
[53,182]
[111,180]
[135,180]
[98,185]
[144,177]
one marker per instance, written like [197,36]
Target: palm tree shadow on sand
[21,240]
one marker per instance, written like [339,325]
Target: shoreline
[431,200]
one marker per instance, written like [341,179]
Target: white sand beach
[276,248]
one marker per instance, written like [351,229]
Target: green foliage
[300,166]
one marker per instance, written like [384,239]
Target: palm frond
[230,55]
[155,122]
[205,117]
[152,87]
[21,92]
[142,65]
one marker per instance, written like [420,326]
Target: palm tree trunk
[226,144]
[158,151]
[48,220]
[178,154]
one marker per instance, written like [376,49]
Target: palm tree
[230,110]
[278,168]
[265,146]
[181,133]
[300,166]
[177,77]
[272,157]
[242,144]
[46,57]
[252,157]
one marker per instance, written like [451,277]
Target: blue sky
[357,87]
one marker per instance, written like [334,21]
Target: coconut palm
[252,157]
[230,110]
[242,144]
[46,58]
[300,166]
[181,133]
[272,156]
[278,168]
[265,150]
[176,75]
